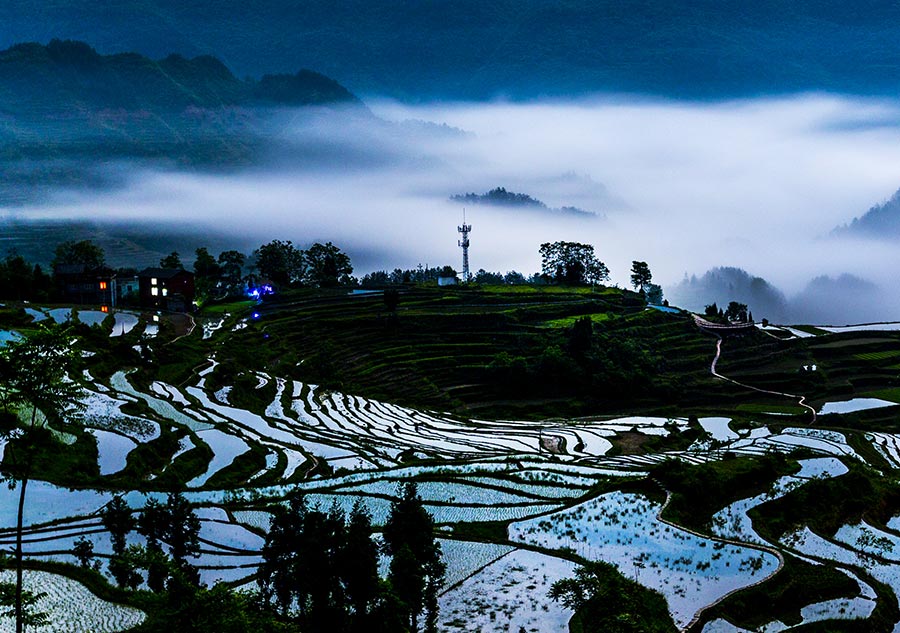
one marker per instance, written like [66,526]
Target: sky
[685,186]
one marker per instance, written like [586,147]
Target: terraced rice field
[548,492]
[71,607]
[485,471]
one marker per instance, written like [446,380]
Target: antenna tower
[464,244]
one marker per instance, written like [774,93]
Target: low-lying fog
[757,184]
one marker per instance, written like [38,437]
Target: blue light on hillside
[255,315]
[257,292]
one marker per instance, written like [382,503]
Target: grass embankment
[827,504]
[798,584]
[699,491]
[488,350]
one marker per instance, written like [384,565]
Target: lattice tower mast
[464,244]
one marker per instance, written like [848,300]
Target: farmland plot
[508,595]
[71,607]
[623,529]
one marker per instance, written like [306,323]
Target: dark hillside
[520,49]
[69,79]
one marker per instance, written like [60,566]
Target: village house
[166,289]
[81,284]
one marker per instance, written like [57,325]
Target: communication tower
[464,244]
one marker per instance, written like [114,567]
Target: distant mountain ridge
[71,78]
[68,114]
[500,197]
[521,49]
[881,220]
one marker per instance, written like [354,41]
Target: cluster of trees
[84,252]
[575,264]
[605,601]
[173,523]
[736,312]
[419,275]
[319,572]
[424,274]
[22,281]
[320,569]
[572,264]
[585,364]
[319,266]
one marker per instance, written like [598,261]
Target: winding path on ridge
[705,326]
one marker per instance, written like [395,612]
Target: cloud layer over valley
[756,184]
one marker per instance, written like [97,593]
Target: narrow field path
[801,400]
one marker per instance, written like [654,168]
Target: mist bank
[842,300]
[686,187]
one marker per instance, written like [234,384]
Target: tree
[84,252]
[571,263]
[736,312]
[605,601]
[280,262]
[152,524]
[416,571]
[359,567]
[654,294]
[22,606]
[391,299]
[205,266]
[303,561]
[21,281]
[487,278]
[278,568]
[37,369]
[326,266]
[83,550]
[118,521]
[182,532]
[640,275]
[206,271]
[176,524]
[581,336]
[231,268]
[712,310]
[514,278]
[172,260]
